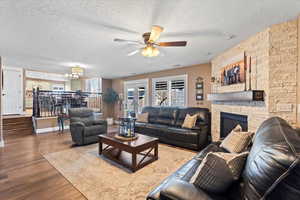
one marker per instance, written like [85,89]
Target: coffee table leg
[100,146]
[156,152]
[133,162]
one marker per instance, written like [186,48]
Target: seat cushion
[157,126]
[87,121]
[182,135]
[140,124]
[185,172]
[94,130]
[273,162]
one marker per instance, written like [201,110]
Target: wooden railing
[47,103]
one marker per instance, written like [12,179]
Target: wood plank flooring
[25,174]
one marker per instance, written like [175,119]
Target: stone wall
[283,70]
[274,66]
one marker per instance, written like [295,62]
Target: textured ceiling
[52,35]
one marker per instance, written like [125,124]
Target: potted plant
[110,97]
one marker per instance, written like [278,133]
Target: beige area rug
[98,178]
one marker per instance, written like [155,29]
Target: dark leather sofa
[272,170]
[84,127]
[165,124]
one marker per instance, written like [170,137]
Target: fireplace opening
[229,120]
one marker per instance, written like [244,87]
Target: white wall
[1,127]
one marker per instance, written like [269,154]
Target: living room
[124,100]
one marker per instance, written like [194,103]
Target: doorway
[12,91]
[136,96]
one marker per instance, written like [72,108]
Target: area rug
[98,178]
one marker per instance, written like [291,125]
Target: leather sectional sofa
[165,123]
[272,170]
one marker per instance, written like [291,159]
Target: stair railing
[48,103]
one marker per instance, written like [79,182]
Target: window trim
[169,79]
[137,82]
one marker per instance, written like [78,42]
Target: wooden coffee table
[131,154]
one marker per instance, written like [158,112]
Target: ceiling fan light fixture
[155,33]
[150,51]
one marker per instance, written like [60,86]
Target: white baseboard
[50,129]
[2,143]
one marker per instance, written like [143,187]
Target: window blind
[161,85]
[177,84]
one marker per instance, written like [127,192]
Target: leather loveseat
[165,123]
[84,127]
[272,170]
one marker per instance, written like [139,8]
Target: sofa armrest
[100,122]
[77,129]
[77,124]
[203,137]
[182,190]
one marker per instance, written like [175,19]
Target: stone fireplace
[229,120]
[274,70]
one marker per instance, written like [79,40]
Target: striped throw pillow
[237,141]
[218,171]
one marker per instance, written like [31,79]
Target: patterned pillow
[237,141]
[218,171]
[189,121]
[143,117]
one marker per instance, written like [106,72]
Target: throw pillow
[237,141]
[189,121]
[238,128]
[218,171]
[143,117]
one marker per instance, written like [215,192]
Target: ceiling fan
[150,43]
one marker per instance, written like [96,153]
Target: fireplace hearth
[229,120]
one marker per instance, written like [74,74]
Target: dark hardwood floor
[25,174]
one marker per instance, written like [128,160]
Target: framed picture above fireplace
[233,73]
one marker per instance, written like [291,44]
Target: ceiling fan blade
[172,44]
[133,52]
[155,33]
[127,41]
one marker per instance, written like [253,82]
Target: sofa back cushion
[202,119]
[167,116]
[152,113]
[84,115]
[273,162]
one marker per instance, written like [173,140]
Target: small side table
[60,121]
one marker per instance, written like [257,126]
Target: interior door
[12,91]
[136,96]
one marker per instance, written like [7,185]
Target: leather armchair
[84,127]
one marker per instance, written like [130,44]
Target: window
[169,91]
[93,85]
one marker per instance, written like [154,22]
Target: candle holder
[126,127]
